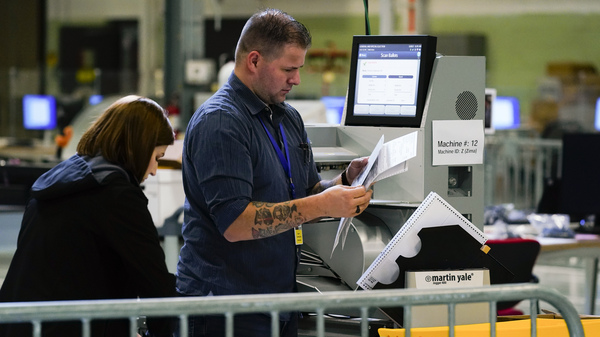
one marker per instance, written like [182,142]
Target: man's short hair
[270,30]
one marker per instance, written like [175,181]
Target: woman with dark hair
[87,232]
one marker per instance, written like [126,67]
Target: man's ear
[252,60]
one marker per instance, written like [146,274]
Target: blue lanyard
[284,160]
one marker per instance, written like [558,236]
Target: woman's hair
[269,31]
[127,133]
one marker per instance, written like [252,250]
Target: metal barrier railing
[319,303]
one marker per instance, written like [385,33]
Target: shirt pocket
[299,161]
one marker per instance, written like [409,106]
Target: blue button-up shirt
[228,161]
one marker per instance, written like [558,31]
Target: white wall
[150,15]
[81,10]
[94,9]
[510,7]
[435,7]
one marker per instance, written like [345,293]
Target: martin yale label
[437,315]
[449,279]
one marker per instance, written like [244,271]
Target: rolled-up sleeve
[222,167]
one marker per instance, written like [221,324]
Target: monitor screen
[39,112]
[506,113]
[95,99]
[597,118]
[334,108]
[490,98]
[389,79]
[580,182]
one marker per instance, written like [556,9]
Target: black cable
[367,24]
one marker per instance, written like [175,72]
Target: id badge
[299,238]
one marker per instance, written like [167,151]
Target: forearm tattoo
[322,186]
[271,219]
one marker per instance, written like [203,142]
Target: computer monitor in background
[490,98]
[389,79]
[95,99]
[334,108]
[579,195]
[597,119]
[39,112]
[506,113]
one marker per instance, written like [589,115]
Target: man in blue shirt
[251,181]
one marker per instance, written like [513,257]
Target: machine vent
[466,105]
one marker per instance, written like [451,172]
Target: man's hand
[344,201]
[355,168]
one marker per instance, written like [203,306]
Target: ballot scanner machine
[447,112]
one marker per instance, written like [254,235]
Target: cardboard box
[436,315]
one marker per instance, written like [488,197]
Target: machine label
[449,279]
[457,142]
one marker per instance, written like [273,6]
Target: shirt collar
[254,104]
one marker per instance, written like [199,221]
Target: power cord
[367,23]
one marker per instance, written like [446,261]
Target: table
[584,246]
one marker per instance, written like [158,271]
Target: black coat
[87,234]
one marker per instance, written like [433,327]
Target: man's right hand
[344,201]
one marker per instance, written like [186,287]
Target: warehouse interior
[541,63]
